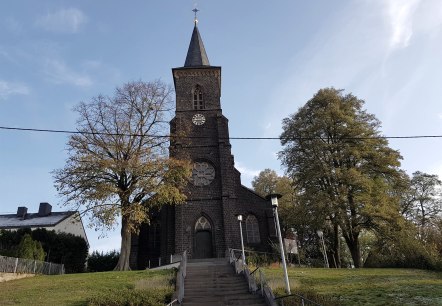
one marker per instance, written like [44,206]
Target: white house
[63,221]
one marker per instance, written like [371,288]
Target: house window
[198,102]
[252,229]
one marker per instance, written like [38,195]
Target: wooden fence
[21,265]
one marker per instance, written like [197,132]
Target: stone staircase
[214,282]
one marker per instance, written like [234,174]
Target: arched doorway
[203,239]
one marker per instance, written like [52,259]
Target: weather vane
[195,10]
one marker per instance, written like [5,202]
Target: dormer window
[198,102]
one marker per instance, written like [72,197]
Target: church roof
[196,55]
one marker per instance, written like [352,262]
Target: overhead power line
[203,137]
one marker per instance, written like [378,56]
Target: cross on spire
[195,20]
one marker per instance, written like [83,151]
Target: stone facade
[206,225]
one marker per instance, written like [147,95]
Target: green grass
[364,286]
[346,286]
[84,288]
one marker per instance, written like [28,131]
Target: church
[207,224]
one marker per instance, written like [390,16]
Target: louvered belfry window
[198,102]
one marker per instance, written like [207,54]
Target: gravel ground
[4,277]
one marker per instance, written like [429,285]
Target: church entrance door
[203,239]
[203,244]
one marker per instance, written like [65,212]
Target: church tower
[202,222]
[206,225]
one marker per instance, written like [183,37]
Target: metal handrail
[173,302]
[241,267]
[248,251]
[181,276]
[263,288]
[303,299]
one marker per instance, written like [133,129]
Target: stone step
[248,299]
[198,284]
[237,297]
[214,282]
[207,283]
[223,303]
[218,290]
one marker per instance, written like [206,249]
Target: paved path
[214,282]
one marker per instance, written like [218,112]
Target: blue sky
[274,57]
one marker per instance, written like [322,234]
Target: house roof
[10,221]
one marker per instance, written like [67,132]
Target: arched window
[202,224]
[198,102]
[252,229]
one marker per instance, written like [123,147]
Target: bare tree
[118,168]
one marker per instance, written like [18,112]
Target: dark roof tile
[196,55]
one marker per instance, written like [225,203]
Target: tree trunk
[123,261]
[355,252]
[336,246]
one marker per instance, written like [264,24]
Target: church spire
[196,55]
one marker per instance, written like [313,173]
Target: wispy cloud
[63,21]
[400,14]
[59,73]
[11,88]
[247,175]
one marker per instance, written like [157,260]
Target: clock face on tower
[198,119]
[203,174]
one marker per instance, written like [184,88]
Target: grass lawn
[364,286]
[78,289]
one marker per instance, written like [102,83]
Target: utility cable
[206,137]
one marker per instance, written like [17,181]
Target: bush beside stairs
[214,282]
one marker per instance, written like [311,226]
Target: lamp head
[274,198]
[320,233]
[239,218]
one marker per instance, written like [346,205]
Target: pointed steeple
[196,55]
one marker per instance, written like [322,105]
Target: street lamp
[242,240]
[324,251]
[274,199]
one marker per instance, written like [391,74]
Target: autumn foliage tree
[118,168]
[268,182]
[342,166]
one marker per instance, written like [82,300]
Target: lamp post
[242,240]
[274,199]
[324,251]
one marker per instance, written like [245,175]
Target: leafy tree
[399,247]
[268,182]
[30,249]
[424,200]
[341,165]
[293,213]
[265,183]
[118,169]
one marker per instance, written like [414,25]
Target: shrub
[29,249]
[100,262]
[61,248]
